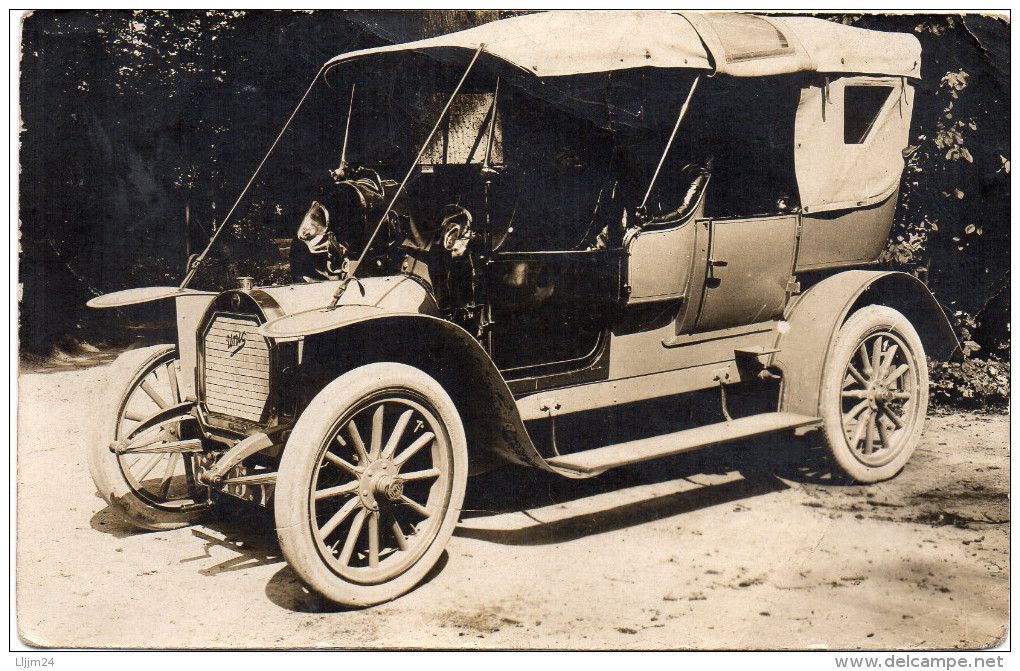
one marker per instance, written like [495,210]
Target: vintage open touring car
[543,216]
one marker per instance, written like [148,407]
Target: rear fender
[448,353]
[813,320]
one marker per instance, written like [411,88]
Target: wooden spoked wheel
[875,394]
[374,499]
[878,392]
[144,461]
[371,483]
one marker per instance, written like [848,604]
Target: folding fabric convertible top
[559,43]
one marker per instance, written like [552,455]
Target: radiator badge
[236,341]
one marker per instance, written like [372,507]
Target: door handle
[712,265]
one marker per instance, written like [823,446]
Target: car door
[748,272]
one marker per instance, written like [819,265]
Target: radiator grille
[236,367]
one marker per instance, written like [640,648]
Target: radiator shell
[237,367]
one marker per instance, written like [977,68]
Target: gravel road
[734,547]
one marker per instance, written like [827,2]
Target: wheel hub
[380,481]
[878,394]
[392,488]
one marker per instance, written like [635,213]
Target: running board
[593,462]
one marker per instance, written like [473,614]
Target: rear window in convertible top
[746,37]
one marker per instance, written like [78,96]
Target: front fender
[449,354]
[813,320]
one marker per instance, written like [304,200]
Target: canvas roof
[559,43]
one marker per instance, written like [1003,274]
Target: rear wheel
[144,460]
[371,483]
[874,394]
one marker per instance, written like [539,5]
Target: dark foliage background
[131,117]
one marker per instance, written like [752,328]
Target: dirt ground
[735,547]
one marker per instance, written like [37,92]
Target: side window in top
[861,105]
[745,125]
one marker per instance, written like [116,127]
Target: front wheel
[144,461]
[370,484]
[874,394]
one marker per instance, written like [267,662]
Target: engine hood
[300,309]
